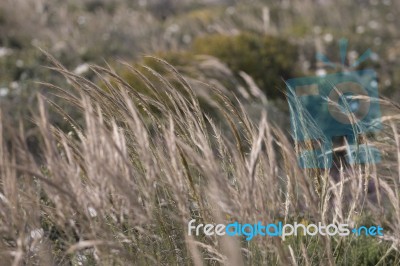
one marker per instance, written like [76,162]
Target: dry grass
[120,187]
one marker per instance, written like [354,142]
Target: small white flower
[83,68]
[37,233]
[4,51]
[230,10]
[360,29]
[14,85]
[377,41]
[374,57]
[3,198]
[81,20]
[353,55]
[328,37]
[19,63]
[3,92]
[373,24]
[173,28]
[92,212]
[186,38]
[320,72]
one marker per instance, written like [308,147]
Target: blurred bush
[161,76]
[267,59]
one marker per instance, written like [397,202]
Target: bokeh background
[233,54]
[268,40]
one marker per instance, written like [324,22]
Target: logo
[343,104]
[249,231]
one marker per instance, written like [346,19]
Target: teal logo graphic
[343,104]
[280,229]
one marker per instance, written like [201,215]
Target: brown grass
[120,187]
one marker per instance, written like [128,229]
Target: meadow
[122,121]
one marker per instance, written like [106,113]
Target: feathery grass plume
[120,185]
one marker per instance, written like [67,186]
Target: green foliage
[366,250]
[94,5]
[363,250]
[2,16]
[269,60]
[150,68]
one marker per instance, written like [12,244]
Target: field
[121,121]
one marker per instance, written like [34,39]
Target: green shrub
[366,250]
[269,60]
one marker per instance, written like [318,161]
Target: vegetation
[116,189]
[268,60]
[106,156]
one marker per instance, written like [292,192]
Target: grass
[120,186]
[109,167]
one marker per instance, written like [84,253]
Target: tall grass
[119,186]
